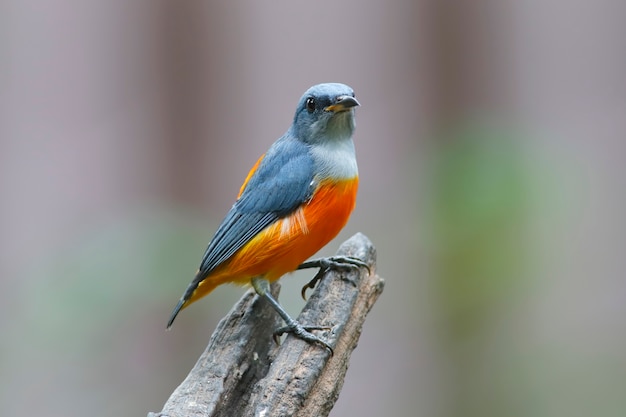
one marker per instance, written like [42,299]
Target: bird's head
[325,112]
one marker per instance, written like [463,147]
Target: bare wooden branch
[243,372]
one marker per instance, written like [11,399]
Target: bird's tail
[175,312]
[198,288]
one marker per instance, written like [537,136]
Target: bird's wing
[282,181]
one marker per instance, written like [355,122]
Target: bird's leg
[262,288]
[324,264]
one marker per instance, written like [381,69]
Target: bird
[296,198]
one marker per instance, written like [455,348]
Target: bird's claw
[324,264]
[335,262]
[312,283]
[304,333]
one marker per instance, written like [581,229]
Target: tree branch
[243,372]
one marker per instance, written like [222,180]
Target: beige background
[491,144]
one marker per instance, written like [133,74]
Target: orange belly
[281,247]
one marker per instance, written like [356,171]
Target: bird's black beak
[342,103]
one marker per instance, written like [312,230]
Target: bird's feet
[262,288]
[304,333]
[325,264]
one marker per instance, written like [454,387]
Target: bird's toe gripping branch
[262,288]
[304,333]
[325,264]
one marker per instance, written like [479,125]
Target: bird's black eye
[310,104]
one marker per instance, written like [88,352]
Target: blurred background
[491,145]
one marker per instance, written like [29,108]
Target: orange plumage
[284,245]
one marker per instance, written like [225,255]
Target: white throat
[335,159]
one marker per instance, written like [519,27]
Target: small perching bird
[296,198]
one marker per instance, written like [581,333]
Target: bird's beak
[343,103]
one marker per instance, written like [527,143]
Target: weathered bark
[243,372]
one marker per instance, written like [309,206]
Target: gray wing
[282,182]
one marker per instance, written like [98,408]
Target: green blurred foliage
[480,211]
[500,223]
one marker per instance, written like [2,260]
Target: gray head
[325,112]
